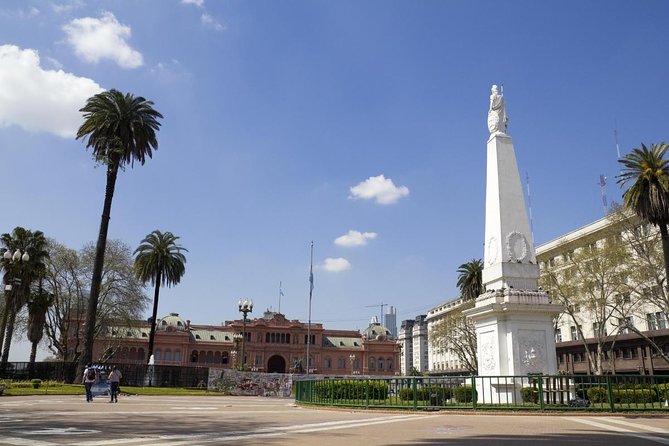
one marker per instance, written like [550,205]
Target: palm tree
[121,129]
[159,260]
[38,305]
[648,196]
[20,273]
[470,279]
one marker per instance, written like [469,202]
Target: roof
[341,342]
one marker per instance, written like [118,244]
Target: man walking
[114,382]
[90,376]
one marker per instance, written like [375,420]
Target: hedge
[357,389]
[620,395]
[435,394]
[529,395]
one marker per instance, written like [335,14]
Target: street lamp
[245,307]
[237,339]
[351,357]
[15,258]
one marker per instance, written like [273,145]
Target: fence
[563,392]
[133,374]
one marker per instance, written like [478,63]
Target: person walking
[90,377]
[114,382]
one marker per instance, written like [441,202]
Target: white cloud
[210,21]
[355,238]
[379,188]
[37,99]
[198,3]
[63,8]
[336,265]
[104,38]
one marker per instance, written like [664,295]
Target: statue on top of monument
[498,121]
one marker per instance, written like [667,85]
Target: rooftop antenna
[378,305]
[529,204]
[602,188]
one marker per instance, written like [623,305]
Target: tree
[38,304]
[120,129]
[20,273]
[159,260]
[648,196]
[122,299]
[592,285]
[470,279]
[456,334]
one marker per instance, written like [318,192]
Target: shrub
[36,383]
[463,394]
[634,396]
[358,389]
[663,391]
[529,395]
[598,395]
[434,393]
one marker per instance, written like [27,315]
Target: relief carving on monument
[532,351]
[517,247]
[487,353]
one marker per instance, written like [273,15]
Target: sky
[358,125]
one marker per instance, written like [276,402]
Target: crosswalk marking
[609,427]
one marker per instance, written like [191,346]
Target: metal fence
[133,374]
[535,392]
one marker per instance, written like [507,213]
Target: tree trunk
[3,323]
[8,338]
[98,265]
[156,293]
[665,251]
[33,354]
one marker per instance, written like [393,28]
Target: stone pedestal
[515,337]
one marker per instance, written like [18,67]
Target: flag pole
[311,290]
[280,294]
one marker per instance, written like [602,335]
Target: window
[157,355]
[389,363]
[212,337]
[625,324]
[372,363]
[656,321]
[327,363]
[381,363]
[558,335]
[225,358]
[574,333]
[313,339]
[595,329]
[177,355]
[341,363]
[168,355]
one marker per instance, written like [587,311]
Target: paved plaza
[171,421]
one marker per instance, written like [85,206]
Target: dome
[376,331]
[173,320]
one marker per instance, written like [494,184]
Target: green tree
[648,195]
[38,304]
[159,260]
[470,279]
[20,273]
[120,129]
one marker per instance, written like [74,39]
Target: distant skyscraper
[390,321]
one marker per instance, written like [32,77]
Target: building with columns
[271,343]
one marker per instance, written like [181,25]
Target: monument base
[515,337]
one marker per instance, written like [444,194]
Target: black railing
[133,374]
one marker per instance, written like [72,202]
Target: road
[214,420]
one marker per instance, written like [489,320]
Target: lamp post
[245,307]
[351,357]
[17,257]
[237,339]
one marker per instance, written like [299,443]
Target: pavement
[224,420]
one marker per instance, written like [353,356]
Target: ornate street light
[17,257]
[245,307]
[351,357]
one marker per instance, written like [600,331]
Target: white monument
[513,317]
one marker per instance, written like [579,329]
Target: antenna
[615,137]
[602,188]
[378,305]
[529,204]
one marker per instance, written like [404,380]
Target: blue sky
[291,121]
